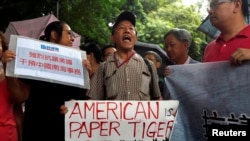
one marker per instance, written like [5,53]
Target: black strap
[148,64]
[104,86]
[151,72]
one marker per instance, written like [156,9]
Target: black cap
[125,16]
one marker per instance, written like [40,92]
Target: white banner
[214,101]
[40,60]
[119,120]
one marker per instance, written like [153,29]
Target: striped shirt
[130,81]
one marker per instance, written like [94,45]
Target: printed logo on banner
[51,48]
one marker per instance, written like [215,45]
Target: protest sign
[214,101]
[119,120]
[45,61]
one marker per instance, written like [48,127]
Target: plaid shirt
[131,81]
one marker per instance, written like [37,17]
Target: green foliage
[92,18]
[169,16]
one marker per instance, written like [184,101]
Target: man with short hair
[107,51]
[125,75]
[177,42]
[233,43]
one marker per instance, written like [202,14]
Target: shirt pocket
[111,88]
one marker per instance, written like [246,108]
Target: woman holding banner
[43,120]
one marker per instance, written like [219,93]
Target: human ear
[53,35]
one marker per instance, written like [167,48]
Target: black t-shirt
[42,118]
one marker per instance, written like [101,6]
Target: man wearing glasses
[233,43]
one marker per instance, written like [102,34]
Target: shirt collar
[188,60]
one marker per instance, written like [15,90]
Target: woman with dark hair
[43,120]
[12,94]
[58,32]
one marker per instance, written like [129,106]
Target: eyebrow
[70,32]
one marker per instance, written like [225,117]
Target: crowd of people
[116,72]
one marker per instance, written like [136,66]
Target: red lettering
[93,126]
[99,110]
[109,127]
[76,110]
[152,110]
[91,108]
[47,66]
[107,118]
[114,126]
[71,124]
[140,110]
[135,125]
[55,58]
[151,129]
[103,128]
[151,133]
[161,129]
[86,129]
[169,127]
[125,111]
[106,110]
[112,107]
[69,62]
[77,71]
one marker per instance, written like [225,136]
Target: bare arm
[19,91]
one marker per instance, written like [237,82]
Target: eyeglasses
[70,32]
[215,3]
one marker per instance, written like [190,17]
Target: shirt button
[127,79]
[128,93]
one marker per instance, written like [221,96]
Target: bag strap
[148,64]
[104,86]
[151,72]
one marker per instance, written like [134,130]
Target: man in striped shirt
[125,75]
